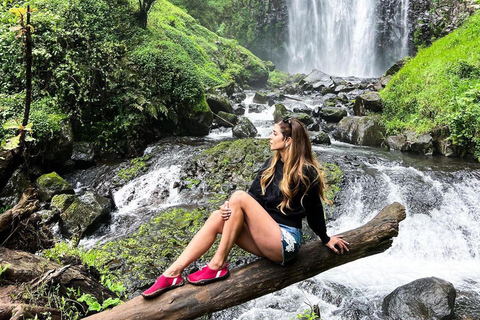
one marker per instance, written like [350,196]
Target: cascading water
[438,238]
[346,38]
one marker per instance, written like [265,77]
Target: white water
[346,38]
[440,236]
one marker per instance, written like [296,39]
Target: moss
[136,167]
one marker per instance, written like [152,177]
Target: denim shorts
[291,242]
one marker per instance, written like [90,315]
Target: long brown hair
[299,160]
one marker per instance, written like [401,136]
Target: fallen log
[24,267]
[263,276]
[27,205]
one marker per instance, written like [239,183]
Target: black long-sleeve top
[312,206]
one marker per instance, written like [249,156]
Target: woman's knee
[238,198]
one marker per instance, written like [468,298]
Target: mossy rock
[51,184]
[85,211]
[227,119]
[61,202]
[244,129]
[280,112]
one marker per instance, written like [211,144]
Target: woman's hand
[226,211]
[337,242]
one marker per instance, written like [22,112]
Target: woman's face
[277,141]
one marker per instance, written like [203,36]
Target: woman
[267,220]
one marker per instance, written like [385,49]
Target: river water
[440,236]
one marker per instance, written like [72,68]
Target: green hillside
[116,83]
[440,87]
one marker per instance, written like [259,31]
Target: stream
[440,236]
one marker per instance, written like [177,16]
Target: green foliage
[465,123]
[3,269]
[112,79]
[278,78]
[307,315]
[439,88]
[4,209]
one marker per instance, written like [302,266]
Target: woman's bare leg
[261,228]
[200,243]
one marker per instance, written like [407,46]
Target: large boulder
[225,119]
[83,154]
[51,184]
[320,138]
[332,114]
[410,141]
[59,148]
[423,299]
[13,190]
[196,120]
[260,98]
[365,131]
[219,103]
[443,144]
[303,118]
[281,112]
[83,213]
[318,81]
[368,102]
[244,129]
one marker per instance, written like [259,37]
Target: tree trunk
[28,204]
[263,276]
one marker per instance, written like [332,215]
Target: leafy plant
[3,269]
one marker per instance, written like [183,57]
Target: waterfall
[347,38]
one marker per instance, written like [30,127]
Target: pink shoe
[207,275]
[161,285]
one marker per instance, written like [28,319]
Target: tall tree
[144,8]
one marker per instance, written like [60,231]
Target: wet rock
[239,109]
[225,119]
[320,138]
[238,97]
[314,127]
[51,184]
[13,190]
[317,81]
[369,101]
[365,131]
[83,155]
[256,108]
[303,118]
[332,114]
[301,107]
[219,103]
[395,67]
[59,148]
[84,212]
[260,98]
[397,142]
[280,112]
[423,299]
[443,144]
[411,142]
[244,129]
[61,202]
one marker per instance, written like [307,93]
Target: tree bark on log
[29,268]
[263,276]
[28,204]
